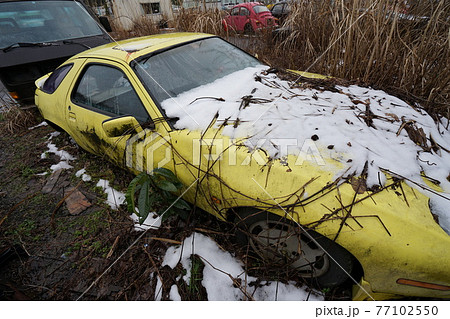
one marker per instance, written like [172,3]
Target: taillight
[14,95]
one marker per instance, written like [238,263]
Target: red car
[249,17]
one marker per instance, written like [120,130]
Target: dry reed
[370,42]
[373,42]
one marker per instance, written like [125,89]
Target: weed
[195,287]
[25,228]
[155,191]
[27,172]
[85,234]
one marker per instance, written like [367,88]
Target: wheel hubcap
[282,243]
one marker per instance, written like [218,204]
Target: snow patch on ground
[63,155]
[115,198]
[158,289]
[39,125]
[152,221]
[82,173]
[220,265]
[174,294]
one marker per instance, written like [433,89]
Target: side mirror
[119,126]
[105,23]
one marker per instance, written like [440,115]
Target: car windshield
[44,21]
[183,68]
[259,9]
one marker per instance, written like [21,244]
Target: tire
[281,243]
[248,29]
[54,126]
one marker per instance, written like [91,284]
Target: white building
[127,12]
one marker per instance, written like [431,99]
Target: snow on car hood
[274,116]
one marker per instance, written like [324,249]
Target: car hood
[347,130]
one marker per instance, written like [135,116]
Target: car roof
[248,4]
[131,49]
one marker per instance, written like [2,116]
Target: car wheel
[248,29]
[281,243]
[54,126]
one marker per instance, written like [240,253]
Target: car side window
[235,12]
[277,9]
[107,89]
[244,12]
[55,79]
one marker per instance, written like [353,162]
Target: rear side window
[107,89]
[277,9]
[244,12]
[260,9]
[55,79]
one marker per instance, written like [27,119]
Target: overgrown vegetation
[155,191]
[373,42]
[15,120]
[383,43]
[192,20]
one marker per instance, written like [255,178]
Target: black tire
[54,126]
[248,29]
[325,271]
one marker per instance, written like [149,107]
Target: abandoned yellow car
[338,181]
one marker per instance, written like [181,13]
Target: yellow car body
[392,233]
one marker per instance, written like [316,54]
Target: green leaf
[131,191]
[166,173]
[144,202]
[167,186]
[181,204]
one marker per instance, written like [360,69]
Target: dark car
[281,10]
[37,36]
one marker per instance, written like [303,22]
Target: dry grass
[194,20]
[16,120]
[358,40]
[141,27]
[408,55]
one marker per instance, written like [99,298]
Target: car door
[244,16]
[277,10]
[106,91]
[234,18]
